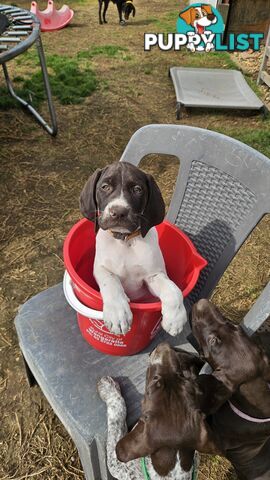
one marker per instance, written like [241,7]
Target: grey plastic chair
[222,192]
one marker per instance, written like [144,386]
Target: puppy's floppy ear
[189,363]
[224,378]
[88,202]
[154,211]
[262,340]
[133,11]
[133,445]
[186,458]
[164,460]
[187,16]
[205,441]
[266,368]
[213,393]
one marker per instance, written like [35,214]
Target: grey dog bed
[213,88]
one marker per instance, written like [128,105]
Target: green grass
[70,82]
[258,139]
[110,51]
[208,60]
[167,24]
[253,85]
[28,58]
[162,26]
[71,79]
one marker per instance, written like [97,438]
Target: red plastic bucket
[183,264]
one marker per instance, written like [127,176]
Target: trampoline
[213,88]
[19,29]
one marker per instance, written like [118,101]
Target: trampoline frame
[29,22]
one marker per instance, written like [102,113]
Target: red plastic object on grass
[50,18]
[183,264]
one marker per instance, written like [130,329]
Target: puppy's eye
[213,340]
[105,187]
[137,189]
[145,417]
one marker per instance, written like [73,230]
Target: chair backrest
[222,191]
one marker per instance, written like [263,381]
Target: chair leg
[264,112]
[29,374]
[178,110]
[93,460]
[52,130]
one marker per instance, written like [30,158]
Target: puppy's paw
[174,318]
[117,315]
[209,47]
[107,388]
[191,47]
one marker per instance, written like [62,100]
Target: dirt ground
[41,178]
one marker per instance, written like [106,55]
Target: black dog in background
[125,7]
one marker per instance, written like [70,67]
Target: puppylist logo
[200,28]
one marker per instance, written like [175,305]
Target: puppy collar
[146,475]
[247,417]
[125,236]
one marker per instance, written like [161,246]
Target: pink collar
[247,417]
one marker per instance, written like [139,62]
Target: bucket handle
[75,303]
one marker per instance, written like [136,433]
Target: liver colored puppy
[242,425]
[172,422]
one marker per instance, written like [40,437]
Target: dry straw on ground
[41,179]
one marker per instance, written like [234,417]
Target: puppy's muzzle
[118,212]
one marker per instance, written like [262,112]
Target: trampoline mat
[213,88]
[4,23]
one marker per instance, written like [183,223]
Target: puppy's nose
[211,16]
[201,306]
[118,212]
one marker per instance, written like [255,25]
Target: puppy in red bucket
[126,205]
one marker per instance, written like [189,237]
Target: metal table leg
[52,130]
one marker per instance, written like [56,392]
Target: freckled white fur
[155,358]
[123,269]
[109,392]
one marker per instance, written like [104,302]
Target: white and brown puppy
[169,394]
[126,204]
[199,18]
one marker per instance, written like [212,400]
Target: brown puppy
[171,418]
[243,424]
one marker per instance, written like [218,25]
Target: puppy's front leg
[119,8]
[99,12]
[109,392]
[116,310]
[173,311]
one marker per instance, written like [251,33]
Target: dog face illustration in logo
[199,18]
